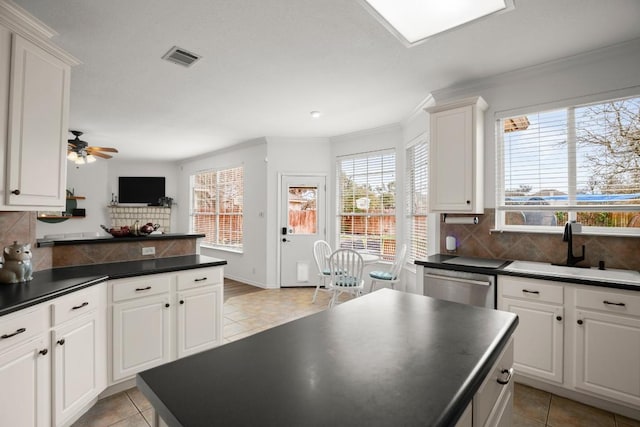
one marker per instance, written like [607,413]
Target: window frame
[339,203]
[218,185]
[571,208]
[416,246]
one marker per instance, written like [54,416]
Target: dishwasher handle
[457,279]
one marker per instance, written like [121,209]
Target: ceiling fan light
[80,161]
[72,156]
[91,158]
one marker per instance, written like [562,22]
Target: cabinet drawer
[74,305]
[531,289]
[140,287]
[620,302]
[490,389]
[200,277]
[19,327]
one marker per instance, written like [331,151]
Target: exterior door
[302,222]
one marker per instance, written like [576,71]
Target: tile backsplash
[21,227]
[477,240]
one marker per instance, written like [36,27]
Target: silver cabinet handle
[456,279]
[505,376]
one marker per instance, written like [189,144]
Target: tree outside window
[580,163]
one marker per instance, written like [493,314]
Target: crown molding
[21,22]
[630,47]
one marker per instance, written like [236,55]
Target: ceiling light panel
[413,21]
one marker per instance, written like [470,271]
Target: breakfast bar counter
[387,358]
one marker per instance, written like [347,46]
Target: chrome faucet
[568,237]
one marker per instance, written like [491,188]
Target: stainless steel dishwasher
[461,286]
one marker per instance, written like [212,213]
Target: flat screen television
[141,189]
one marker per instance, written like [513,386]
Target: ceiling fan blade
[99,154]
[107,149]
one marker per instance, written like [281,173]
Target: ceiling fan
[81,152]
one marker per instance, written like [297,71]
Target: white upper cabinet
[34,113]
[456,161]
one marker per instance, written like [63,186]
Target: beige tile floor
[249,310]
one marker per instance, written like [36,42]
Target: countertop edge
[501,272]
[41,243]
[52,295]
[80,277]
[460,402]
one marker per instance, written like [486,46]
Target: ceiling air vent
[177,55]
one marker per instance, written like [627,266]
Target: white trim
[629,47]
[580,101]
[419,110]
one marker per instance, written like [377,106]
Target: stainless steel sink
[629,277]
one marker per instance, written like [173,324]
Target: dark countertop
[436,261]
[49,284]
[387,358]
[110,239]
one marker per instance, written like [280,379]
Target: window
[217,205]
[367,203]
[578,163]
[417,199]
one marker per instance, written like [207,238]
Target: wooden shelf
[76,198]
[59,217]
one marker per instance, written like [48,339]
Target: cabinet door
[75,381]
[141,335]
[539,339]
[451,165]
[607,353]
[199,320]
[25,382]
[38,117]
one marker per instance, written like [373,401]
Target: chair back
[321,253]
[401,256]
[346,268]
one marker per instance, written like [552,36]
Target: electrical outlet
[151,250]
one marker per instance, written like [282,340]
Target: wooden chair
[321,253]
[346,266]
[392,275]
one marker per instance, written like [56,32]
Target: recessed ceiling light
[315,114]
[414,21]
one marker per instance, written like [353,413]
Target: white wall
[291,156]
[583,78]
[90,181]
[251,265]
[96,181]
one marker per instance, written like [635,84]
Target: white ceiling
[267,63]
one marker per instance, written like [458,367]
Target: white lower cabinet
[75,373]
[199,322]
[25,373]
[607,344]
[577,337]
[141,335]
[539,338]
[162,317]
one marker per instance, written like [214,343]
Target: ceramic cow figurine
[16,264]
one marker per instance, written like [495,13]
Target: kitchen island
[388,358]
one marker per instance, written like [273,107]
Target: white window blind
[417,172]
[217,206]
[367,203]
[576,163]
